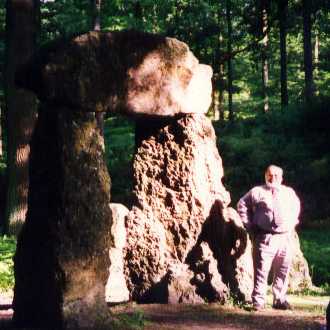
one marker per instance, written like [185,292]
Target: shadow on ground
[213,316]
[203,317]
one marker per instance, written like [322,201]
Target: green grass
[132,321]
[308,303]
[7,250]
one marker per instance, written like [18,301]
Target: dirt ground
[212,316]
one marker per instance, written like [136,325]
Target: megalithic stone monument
[179,242]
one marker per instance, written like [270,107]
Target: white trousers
[276,252]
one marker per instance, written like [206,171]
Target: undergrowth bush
[7,250]
[315,244]
[119,148]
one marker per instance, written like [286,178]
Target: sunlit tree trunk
[22,27]
[96,26]
[214,104]
[221,94]
[264,54]
[316,58]
[308,58]
[218,92]
[229,61]
[221,76]
[283,13]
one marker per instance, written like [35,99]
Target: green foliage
[64,18]
[315,244]
[7,250]
[119,148]
[296,139]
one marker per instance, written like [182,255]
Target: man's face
[273,177]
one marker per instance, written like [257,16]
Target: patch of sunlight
[4,268]
[312,304]
[243,96]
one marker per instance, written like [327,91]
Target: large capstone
[124,72]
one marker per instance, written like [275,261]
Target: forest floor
[308,313]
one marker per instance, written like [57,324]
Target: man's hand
[230,215]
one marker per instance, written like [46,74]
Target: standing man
[270,212]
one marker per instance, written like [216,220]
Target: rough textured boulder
[299,275]
[207,278]
[116,289]
[181,226]
[233,249]
[127,71]
[177,173]
[178,285]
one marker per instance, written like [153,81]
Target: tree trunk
[283,13]
[221,93]
[264,54]
[308,58]
[22,27]
[215,104]
[316,58]
[1,114]
[96,26]
[229,61]
[96,15]
[218,93]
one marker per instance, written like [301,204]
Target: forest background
[271,98]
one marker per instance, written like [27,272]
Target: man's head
[273,176]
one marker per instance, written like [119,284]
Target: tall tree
[264,51]
[316,56]
[229,61]
[96,14]
[22,28]
[96,26]
[219,71]
[308,56]
[283,14]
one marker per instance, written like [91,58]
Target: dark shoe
[257,308]
[282,305]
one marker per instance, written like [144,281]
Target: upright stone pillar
[62,255]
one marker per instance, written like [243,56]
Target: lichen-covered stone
[124,71]
[61,258]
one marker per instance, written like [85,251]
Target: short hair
[275,167]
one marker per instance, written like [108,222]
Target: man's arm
[244,209]
[295,207]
